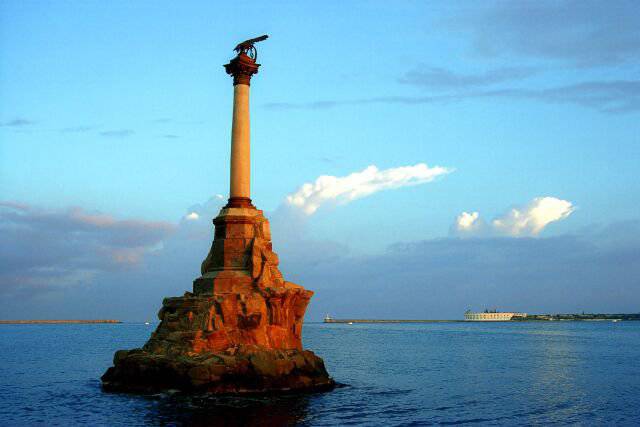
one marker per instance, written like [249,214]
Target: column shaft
[240,144]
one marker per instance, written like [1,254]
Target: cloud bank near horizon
[67,262]
[523,221]
[43,249]
[327,189]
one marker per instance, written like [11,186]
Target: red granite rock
[240,331]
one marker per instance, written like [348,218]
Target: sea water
[393,374]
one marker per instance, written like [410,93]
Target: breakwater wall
[30,322]
[388,321]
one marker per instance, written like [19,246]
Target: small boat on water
[147,323]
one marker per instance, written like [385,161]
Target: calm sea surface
[410,374]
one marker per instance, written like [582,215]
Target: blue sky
[122,110]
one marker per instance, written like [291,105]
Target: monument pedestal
[240,331]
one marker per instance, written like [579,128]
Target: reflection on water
[557,367]
[229,411]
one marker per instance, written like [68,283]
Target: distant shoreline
[30,322]
[388,321]
[528,318]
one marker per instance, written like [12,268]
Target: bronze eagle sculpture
[248,47]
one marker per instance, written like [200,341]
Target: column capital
[242,67]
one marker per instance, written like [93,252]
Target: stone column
[242,67]
[240,184]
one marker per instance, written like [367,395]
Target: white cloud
[192,216]
[342,190]
[532,218]
[524,221]
[467,222]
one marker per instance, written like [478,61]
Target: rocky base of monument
[239,339]
[240,331]
[245,370]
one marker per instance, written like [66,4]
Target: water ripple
[397,375]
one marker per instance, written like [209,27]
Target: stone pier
[240,330]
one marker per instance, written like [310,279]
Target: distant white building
[491,316]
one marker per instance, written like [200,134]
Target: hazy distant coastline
[524,318]
[22,322]
[579,316]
